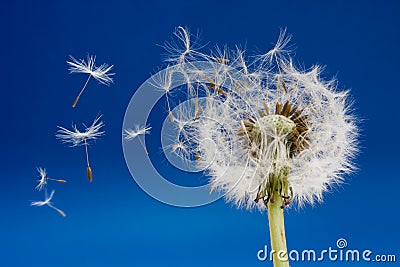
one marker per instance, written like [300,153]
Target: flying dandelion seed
[130,134]
[183,49]
[42,182]
[47,202]
[100,73]
[280,134]
[164,82]
[280,50]
[78,138]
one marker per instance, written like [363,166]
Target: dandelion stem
[80,93]
[144,147]
[171,117]
[277,230]
[87,153]
[88,169]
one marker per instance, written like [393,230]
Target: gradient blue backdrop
[111,222]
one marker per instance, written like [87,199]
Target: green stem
[277,231]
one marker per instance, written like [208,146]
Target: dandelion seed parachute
[130,134]
[42,182]
[78,138]
[101,73]
[47,202]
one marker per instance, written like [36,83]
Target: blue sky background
[111,222]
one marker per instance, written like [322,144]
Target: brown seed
[286,108]
[295,132]
[248,124]
[171,117]
[220,91]
[89,173]
[61,212]
[284,86]
[302,119]
[250,118]
[75,102]
[293,111]
[296,115]
[221,59]
[278,108]
[302,128]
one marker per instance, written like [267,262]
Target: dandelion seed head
[265,119]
